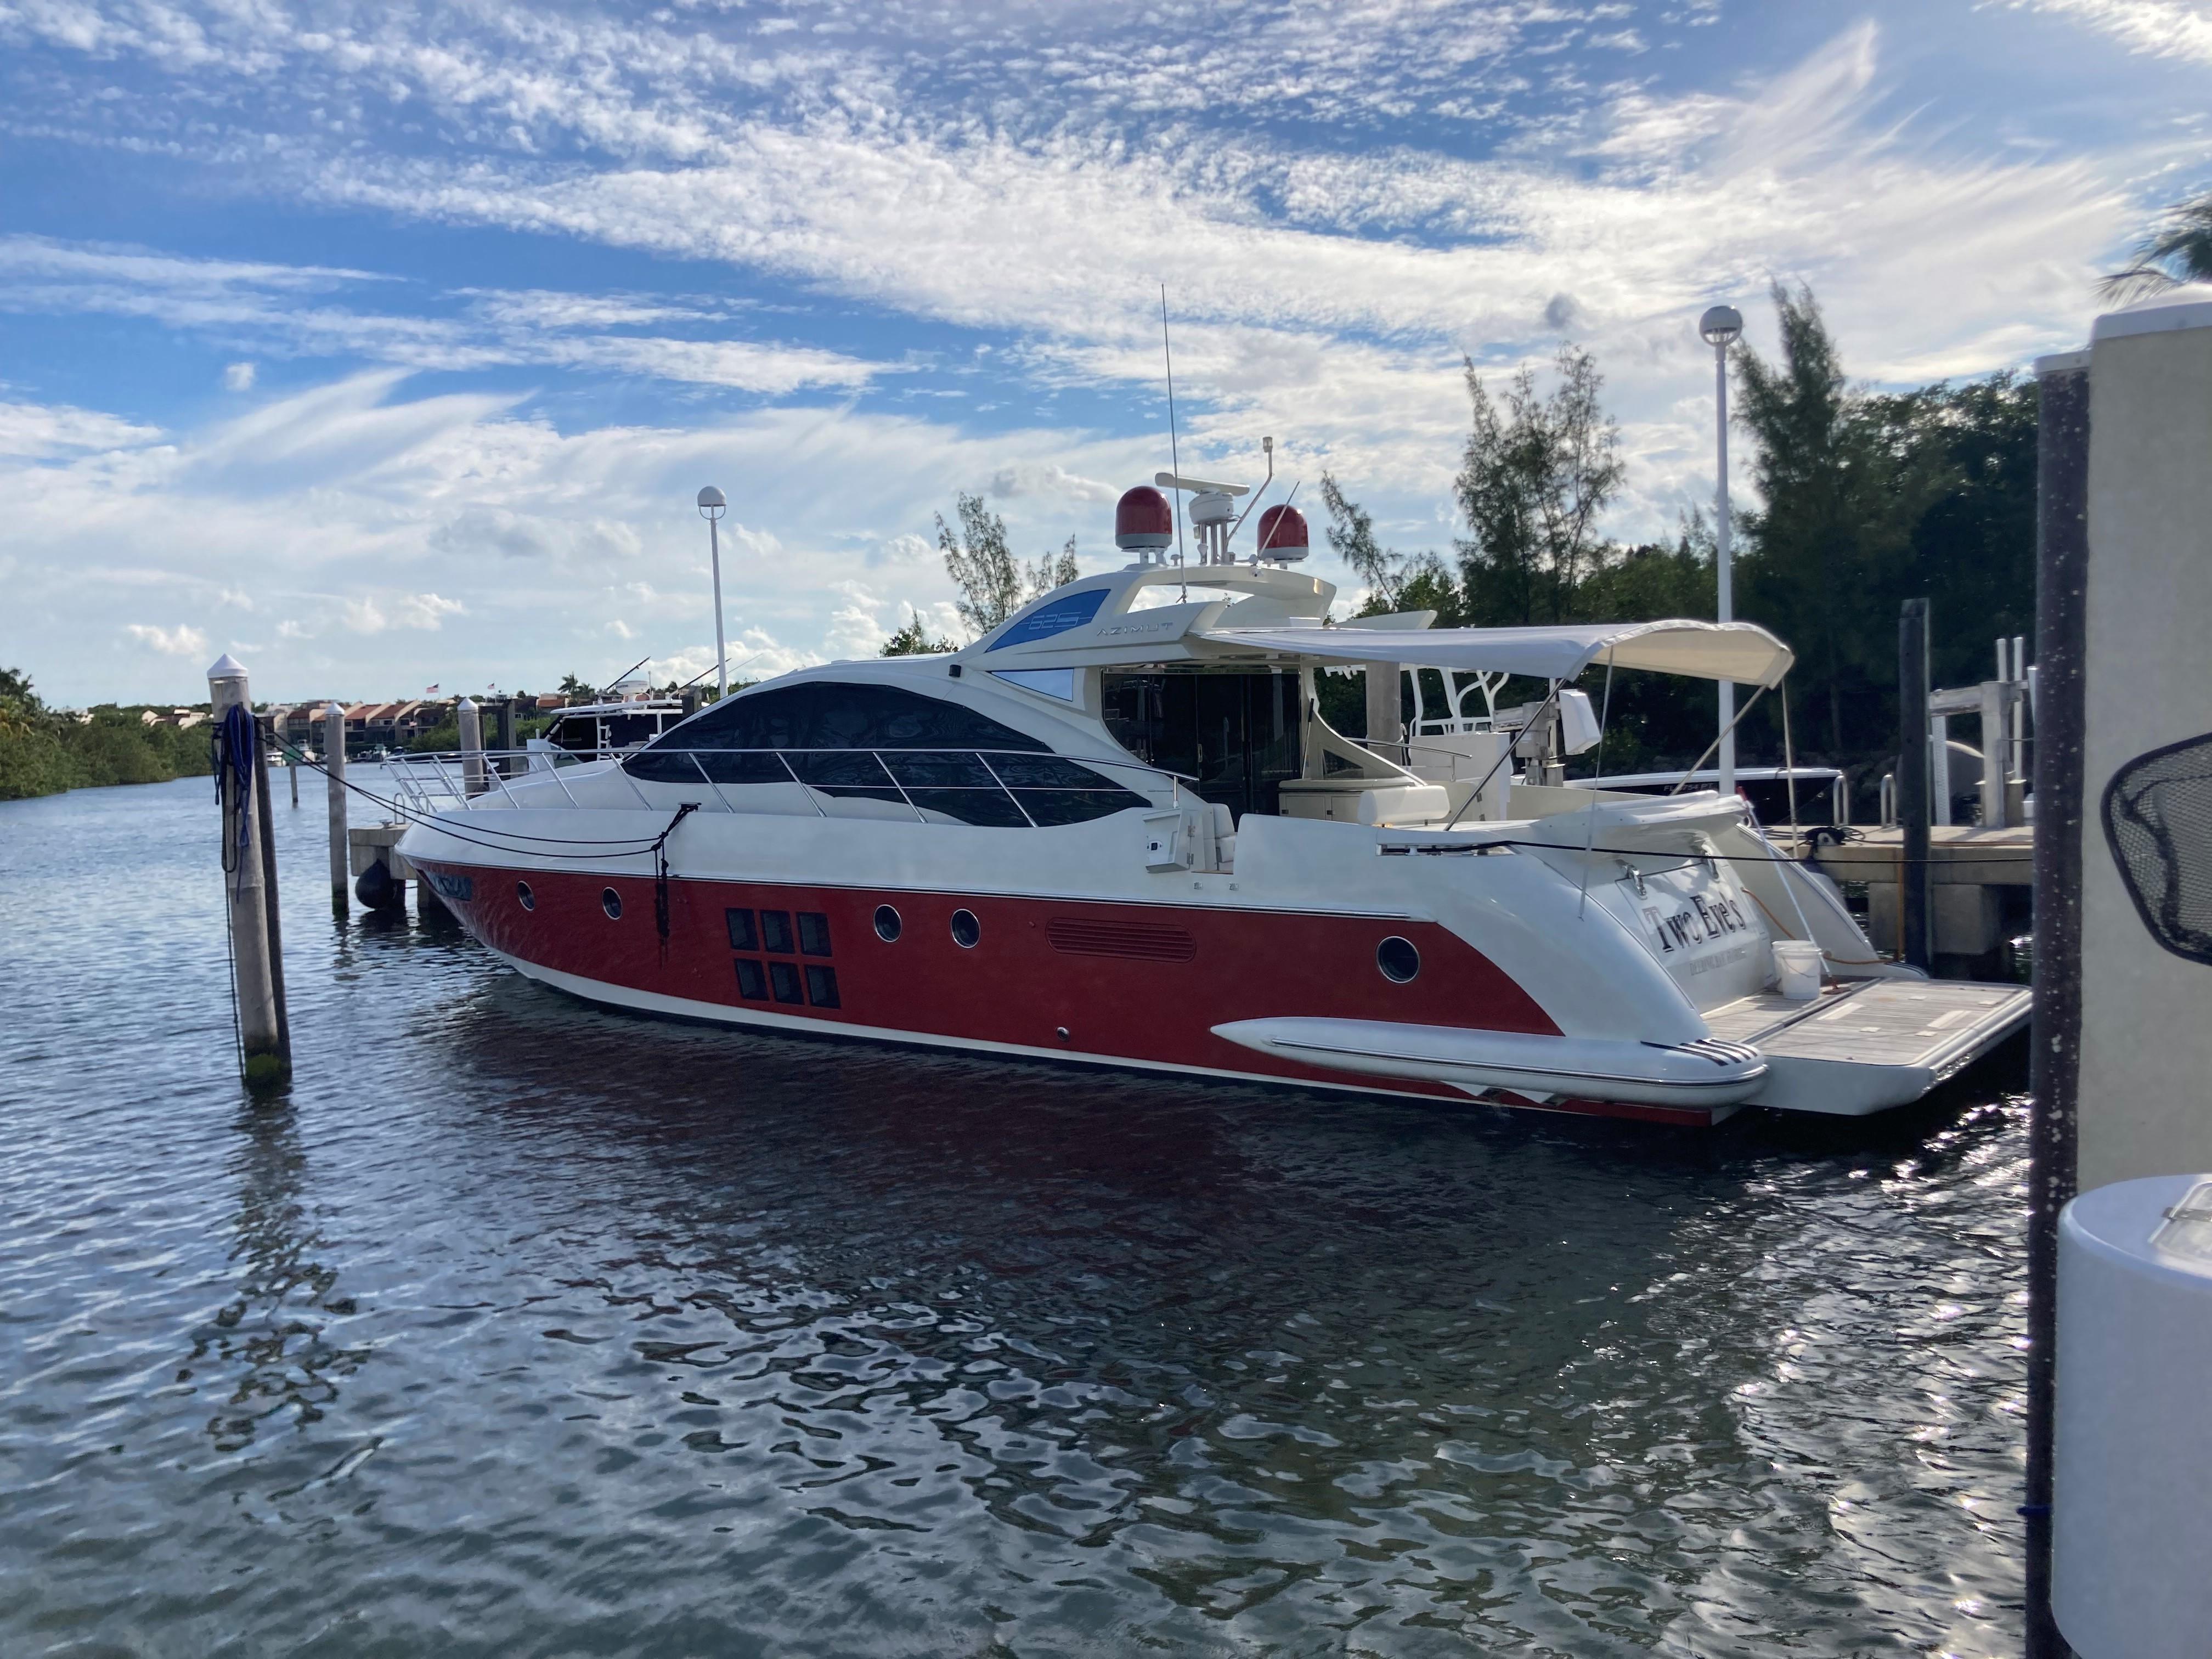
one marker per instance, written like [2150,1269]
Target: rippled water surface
[521,1328]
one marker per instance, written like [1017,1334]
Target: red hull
[1091,980]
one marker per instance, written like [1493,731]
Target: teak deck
[1875,1043]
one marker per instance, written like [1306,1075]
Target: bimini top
[1742,652]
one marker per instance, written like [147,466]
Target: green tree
[993,583]
[575,687]
[2178,251]
[1535,478]
[1869,499]
[1827,543]
[912,639]
[43,753]
[1395,581]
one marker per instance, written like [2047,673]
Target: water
[520,1328]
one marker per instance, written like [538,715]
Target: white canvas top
[1742,652]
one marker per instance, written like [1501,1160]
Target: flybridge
[1272,612]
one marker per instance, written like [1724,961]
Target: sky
[389,345]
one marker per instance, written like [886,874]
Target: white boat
[1116,830]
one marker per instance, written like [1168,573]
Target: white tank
[2134,1433]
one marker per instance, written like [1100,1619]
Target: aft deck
[1872,1044]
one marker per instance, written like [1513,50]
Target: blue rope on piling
[235,754]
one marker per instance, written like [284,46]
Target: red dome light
[1143,520]
[1283,534]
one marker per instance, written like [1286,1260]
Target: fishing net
[2158,821]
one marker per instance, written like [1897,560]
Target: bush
[43,753]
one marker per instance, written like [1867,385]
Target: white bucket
[1797,969]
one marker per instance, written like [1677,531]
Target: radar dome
[1283,536]
[1143,521]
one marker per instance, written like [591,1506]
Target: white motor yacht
[1117,830]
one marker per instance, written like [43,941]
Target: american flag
[429,690]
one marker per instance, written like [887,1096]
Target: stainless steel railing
[463,780]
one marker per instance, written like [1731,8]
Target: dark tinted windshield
[837,714]
[996,776]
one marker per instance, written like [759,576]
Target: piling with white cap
[334,775]
[472,755]
[263,1051]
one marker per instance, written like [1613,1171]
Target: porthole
[966,930]
[1398,959]
[610,902]
[887,924]
[524,896]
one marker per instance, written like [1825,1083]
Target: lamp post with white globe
[712,505]
[1719,328]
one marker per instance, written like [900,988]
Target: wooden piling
[2061,564]
[264,1052]
[334,766]
[1912,781]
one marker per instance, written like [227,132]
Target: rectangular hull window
[784,976]
[751,982]
[743,935]
[813,933]
[822,987]
[776,931]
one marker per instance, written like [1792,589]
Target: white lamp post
[1719,328]
[712,506]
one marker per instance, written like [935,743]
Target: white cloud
[854,629]
[34,430]
[181,641]
[2156,29]
[262,305]
[360,515]
[362,616]
[907,547]
[1052,478]
[1343,199]
[428,610]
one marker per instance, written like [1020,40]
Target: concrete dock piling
[472,755]
[1912,781]
[334,766]
[264,1052]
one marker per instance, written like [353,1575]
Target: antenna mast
[1175,459]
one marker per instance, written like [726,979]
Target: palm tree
[2179,251]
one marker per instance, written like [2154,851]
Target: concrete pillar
[260,1023]
[1939,766]
[472,755]
[1385,727]
[1996,749]
[334,766]
[2146,1043]
[1912,780]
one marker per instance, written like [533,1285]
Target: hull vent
[1139,941]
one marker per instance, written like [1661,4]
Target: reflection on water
[517,1326]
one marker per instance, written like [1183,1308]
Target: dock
[1980,881]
